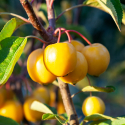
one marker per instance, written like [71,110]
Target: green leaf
[8,29]
[97,116]
[7,121]
[61,118]
[19,23]
[11,49]
[62,121]
[101,122]
[48,116]
[113,7]
[19,19]
[107,89]
[93,3]
[41,107]
[119,121]
[51,112]
[64,116]
[82,122]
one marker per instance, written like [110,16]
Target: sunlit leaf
[8,29]
[97,116]
[19,23]
[41,107]
[93,3]
[11,49]
[55,83]
[7,121]
[113,7]
[107,89]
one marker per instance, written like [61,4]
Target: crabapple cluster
[69,61]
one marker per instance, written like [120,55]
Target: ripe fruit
[98,58]
[37,69]
[79,72]
[60,58]
[78,45]
[42,93]
[93,105]
[32,115]
[12,109]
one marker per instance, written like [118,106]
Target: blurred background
[95,25]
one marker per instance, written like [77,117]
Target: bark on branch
[51,14]
[68,103]
[35,22]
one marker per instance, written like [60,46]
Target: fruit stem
[89,84]
[65,31]
[38,39]
[76,94]
[80,35]
[44,45]
[69,37]
[59,36]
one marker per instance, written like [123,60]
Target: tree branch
[51,14]
[68,103]
[35,22]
